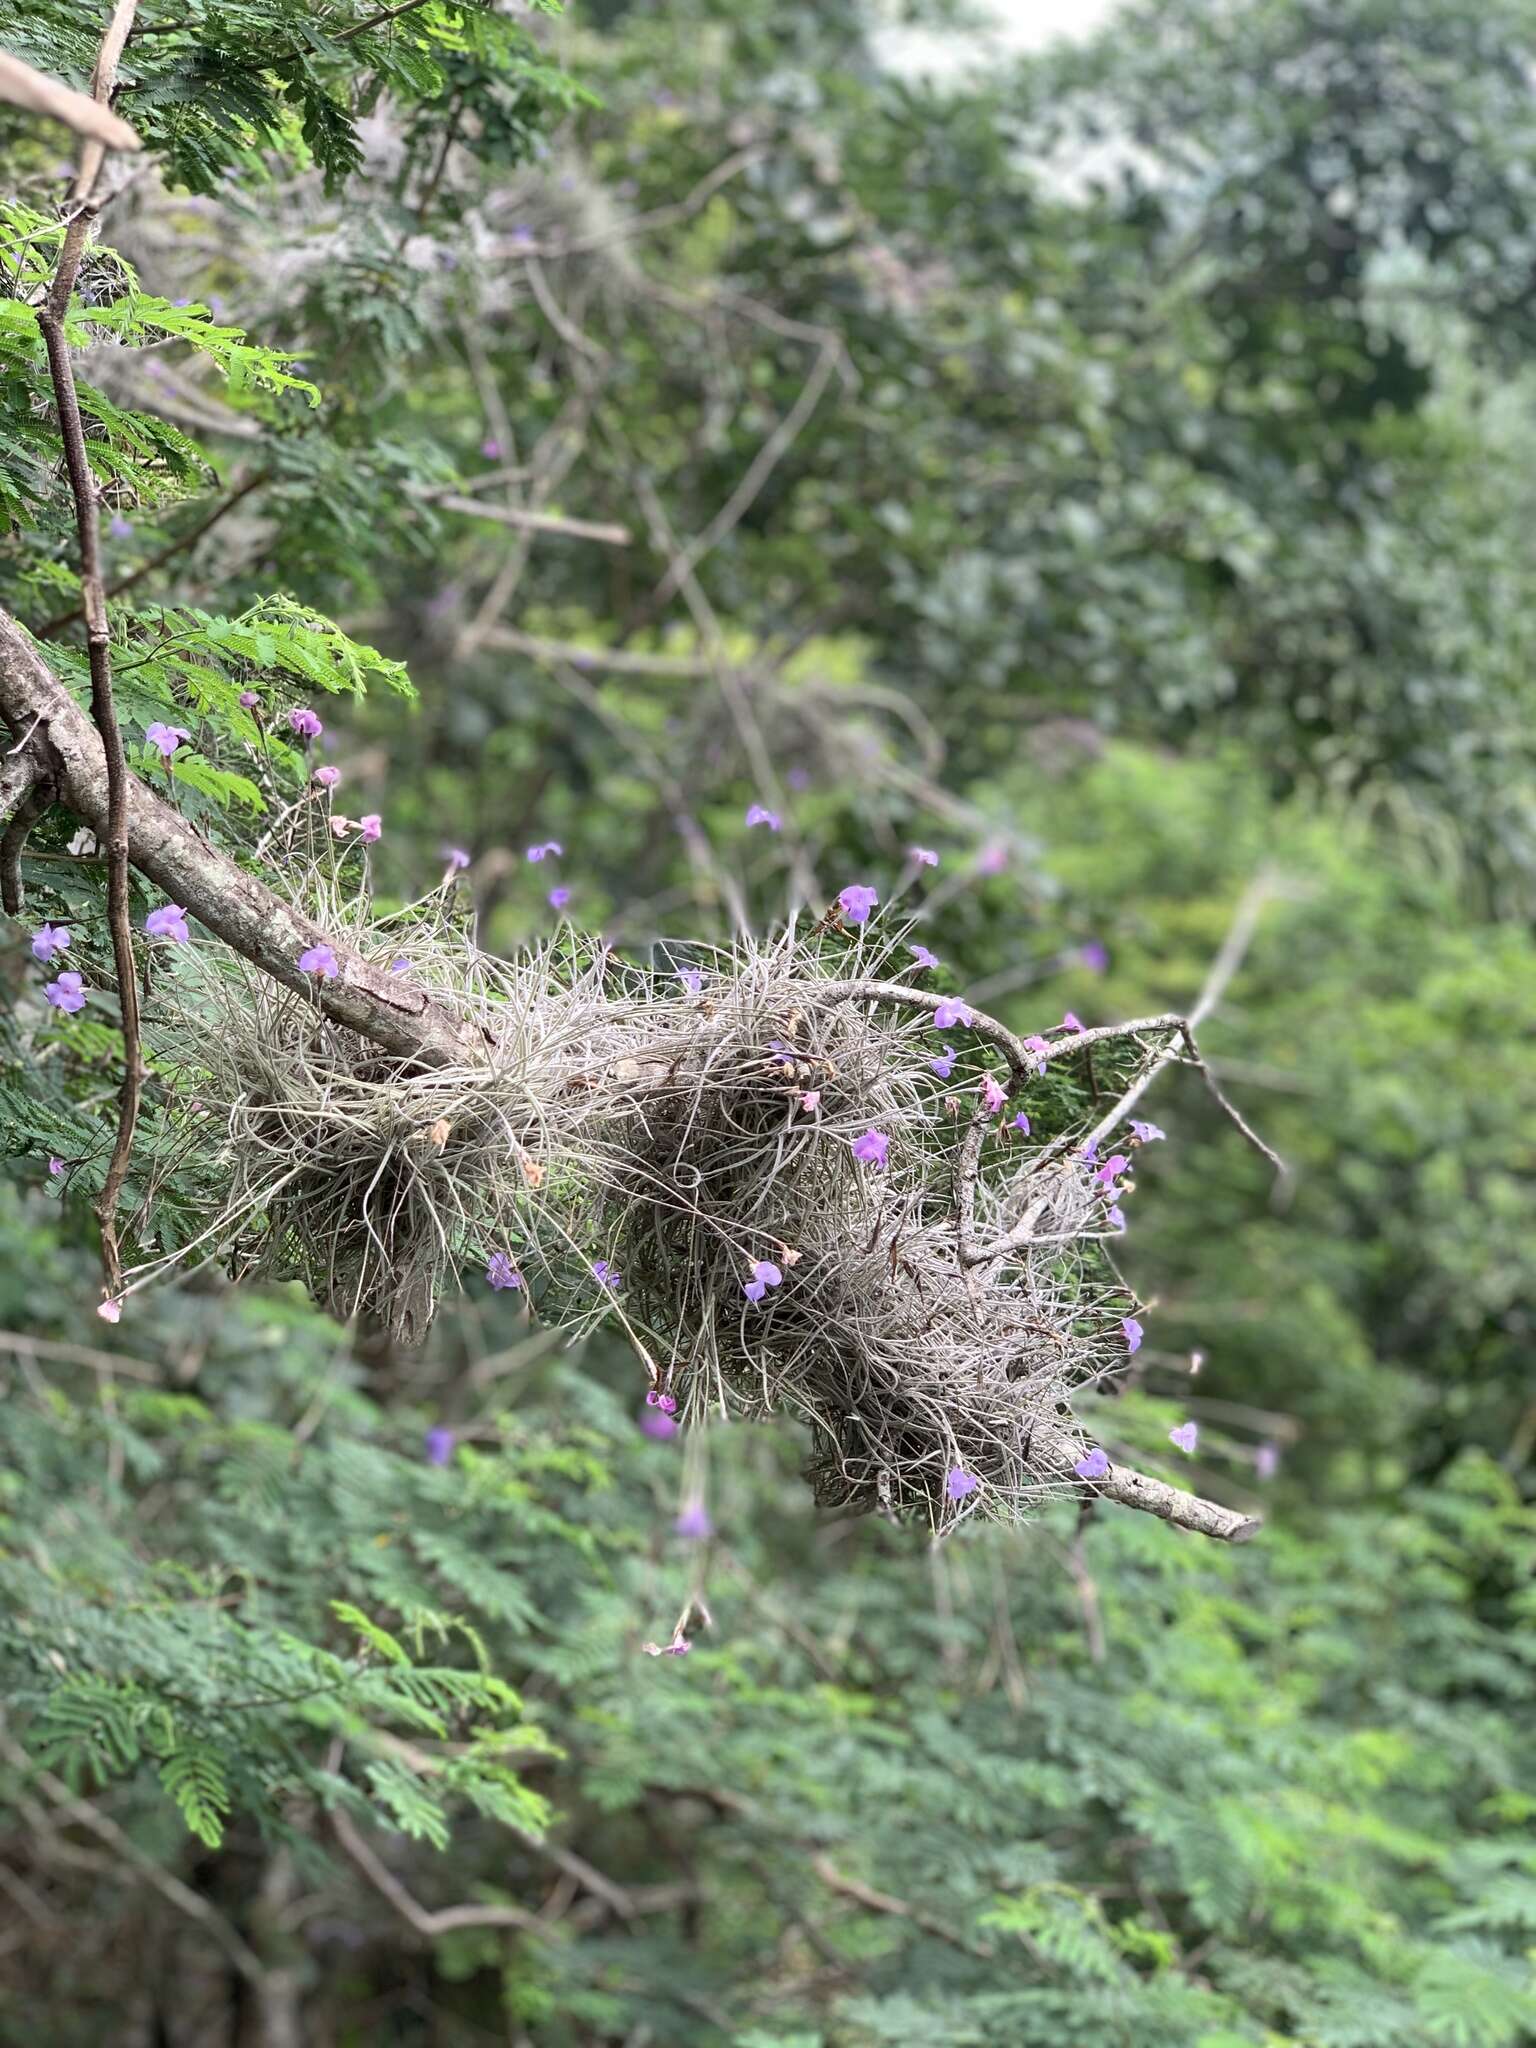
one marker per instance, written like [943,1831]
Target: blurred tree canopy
[1111,470]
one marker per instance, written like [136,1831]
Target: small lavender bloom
[798,778]
[372,827]
[857,901]
[321,961]
[1093,1466]
[1133,1334]
[166,737]
[1114,1216]
[1088,1153]
[655,1398]
[1111,1170]
[1145,1133]
[1072,1021]
[759,814]
[993,858]
[558,898]
[550,846]
[691,978]
[605,1274]
[924,856]
[456,858]
[399,965]
[694,1522]
[49,939]
[304,722]
[328,778]
[871,1148]
[440,1444]
[944,1066]
[119,527]
[110,1311]
[921,957]
[765,1274]
[67,993]
[249,699]
[654,1424]
[1185,1437]
[950,1013]
[1042,1052]
[168,922]
[1021,1123]
[1266,1459]
[490,448]
[501,1273]
[960,1482]
[810,1101]
[1094,956]
[55,1166]
[993,1096]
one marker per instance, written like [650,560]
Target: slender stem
[51,315]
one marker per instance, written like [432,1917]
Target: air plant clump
[750,1159]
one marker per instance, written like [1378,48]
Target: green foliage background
[1162,518]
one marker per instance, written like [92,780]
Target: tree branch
[242,911]
[426,1923]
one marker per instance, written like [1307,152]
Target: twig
[897,1909]
[51,316]
[536,522]
[168,553]
[430,1925]
[35,798]
[22,1345]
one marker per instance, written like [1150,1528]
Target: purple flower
[1021,1123]
[960,1482]
[501,1273]
[1093,1466]
[924,856]
[694,1522]
[655,1424]
[692,979]
[321,961]
[655,1398]
[1094,956]
[678,1647]
[810,1101]
[604,1274]
[993,1097]
[372,827]
[328,778]
[1185,1437]
[490,448]
[950,1013]
[870,1149]
[923,958]
[1042,1052]
[765,1274]
[558,898]
[440,1443]
[1088,1153]
[249,699]
[1072,1021]
[1133,1334]
[55,1166]
[1114,1216]
[399,965]
[1145,1133]
[857,901]
[1111,1170]
[456,858]
[168,922]
[993,858]
[549,847]
[110,1311]
[67,993]
[759,814]
[1266,1459]
[304,722]
[119,527]
[166,737]
[49,939]
[944,1066]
